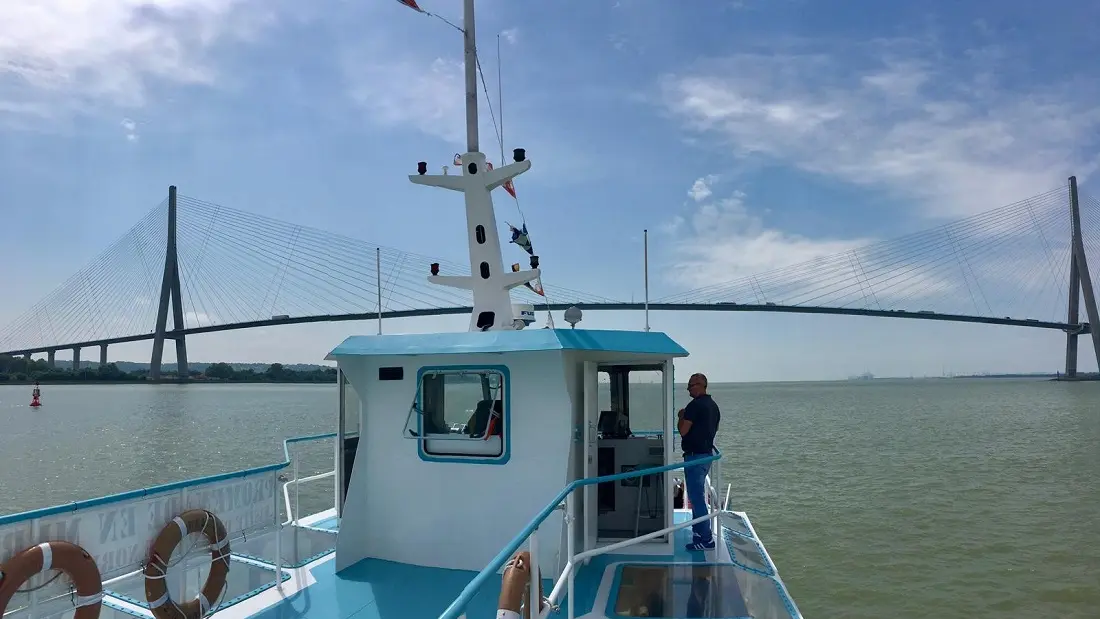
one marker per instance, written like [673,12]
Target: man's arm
[685,418]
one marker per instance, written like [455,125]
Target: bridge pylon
[1080,285]
[170,290]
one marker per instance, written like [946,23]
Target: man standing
[698,423]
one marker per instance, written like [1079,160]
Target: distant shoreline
[23,371]
[166,381]
[1054,376]
[265,381]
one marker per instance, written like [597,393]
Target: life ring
[515,587]
[156,590]
[67,557]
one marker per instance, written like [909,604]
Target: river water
[913,498]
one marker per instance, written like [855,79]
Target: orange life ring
[156,590]
[515,587]
[67,557]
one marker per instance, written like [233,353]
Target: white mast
[488,280]
[469,59]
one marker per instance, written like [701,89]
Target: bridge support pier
[76,359]
[1080,284]
[102,355]
[50,360]
[170,291]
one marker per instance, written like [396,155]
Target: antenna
[645,260]
[500,101]
[470,58]
[378,278]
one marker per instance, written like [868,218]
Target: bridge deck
[1082,328]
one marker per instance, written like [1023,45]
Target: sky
[744,135]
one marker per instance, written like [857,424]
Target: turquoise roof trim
[466,342]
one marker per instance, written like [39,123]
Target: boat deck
[736,580]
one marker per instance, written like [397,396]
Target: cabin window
[463,413]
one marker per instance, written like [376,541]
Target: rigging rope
[499,130]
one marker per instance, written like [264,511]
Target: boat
[475,474]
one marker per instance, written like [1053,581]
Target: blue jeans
[695,478]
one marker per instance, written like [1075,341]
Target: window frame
[506,417]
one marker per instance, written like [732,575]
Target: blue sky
[745,135]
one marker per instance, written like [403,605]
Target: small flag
[536,288]
[412,5]
[508,186]
[521,238]
[458,159]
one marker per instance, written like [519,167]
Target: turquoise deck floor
[377,589]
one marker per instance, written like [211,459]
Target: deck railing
[564,500]
[293,511]
[20,523]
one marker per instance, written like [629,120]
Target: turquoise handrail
[175,485]
[458,606]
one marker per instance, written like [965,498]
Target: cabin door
[347,439]
[590,504]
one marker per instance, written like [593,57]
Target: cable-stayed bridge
[190,267]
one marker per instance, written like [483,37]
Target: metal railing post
[336,477]
[713,491]
[534,600]
[278,540]
[569,549]
[296,485]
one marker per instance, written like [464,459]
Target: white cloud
[198,319]
[130,128]
[725,247]
[700,189]
[428,96]
[68,53]
[509,35]
[945,134]
[728,251]
[722,241]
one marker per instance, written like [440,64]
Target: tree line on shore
[21,369]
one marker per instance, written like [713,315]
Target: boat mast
[470,59]
[488,281]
